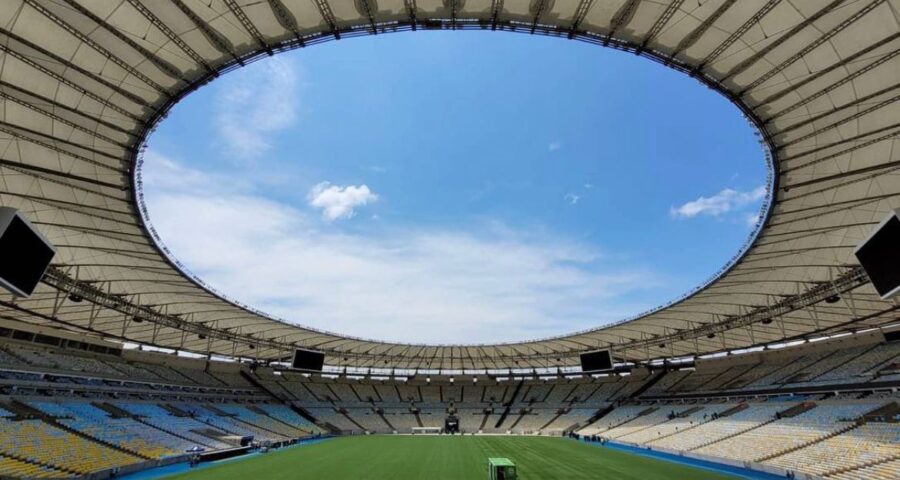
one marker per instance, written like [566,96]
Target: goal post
[426,430]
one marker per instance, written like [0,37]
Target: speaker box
[879,256]
[25,252]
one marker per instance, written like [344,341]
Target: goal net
[426,430]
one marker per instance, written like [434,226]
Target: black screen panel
[308,360]
[892,336]
[880,257]
[596,361]
[25,256]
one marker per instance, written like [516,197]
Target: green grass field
[447,458]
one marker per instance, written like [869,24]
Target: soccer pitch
[447,458]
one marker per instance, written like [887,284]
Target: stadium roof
[83,82]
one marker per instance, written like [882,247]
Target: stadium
[785,364]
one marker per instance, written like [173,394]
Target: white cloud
[254,103]
[396,283]
[337,202]
[571,198]
[554,146]
[719,204]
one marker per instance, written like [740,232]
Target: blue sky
[450,187]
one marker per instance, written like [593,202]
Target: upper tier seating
[669,381]
[329,415]
[137,372]
[167,374]
[495,393]
[343,394]
[201,377]
[388,393]
[472,394]
[365,392]
[63,361]
[368,419]
[699,379]
[10,360]
[299,391]
[451,393]
[863,367]
[321,392]
[559,393]
[431,395]
[400,418]
[232,379]
[811,374]
[409,393]
[784,369]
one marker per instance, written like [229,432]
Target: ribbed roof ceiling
[82,82]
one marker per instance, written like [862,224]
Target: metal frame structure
[84,83]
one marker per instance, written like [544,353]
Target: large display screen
[596,361]
[308,360]
[880,257]
[25,257]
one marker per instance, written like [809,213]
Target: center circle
[460,188]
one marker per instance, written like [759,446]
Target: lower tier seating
[38,441]
[716,429]
[10,467]
[865,444]
[184,427]
[787,433]
[882,471]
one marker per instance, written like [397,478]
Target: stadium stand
[116,412]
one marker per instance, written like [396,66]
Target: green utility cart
[501,469]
